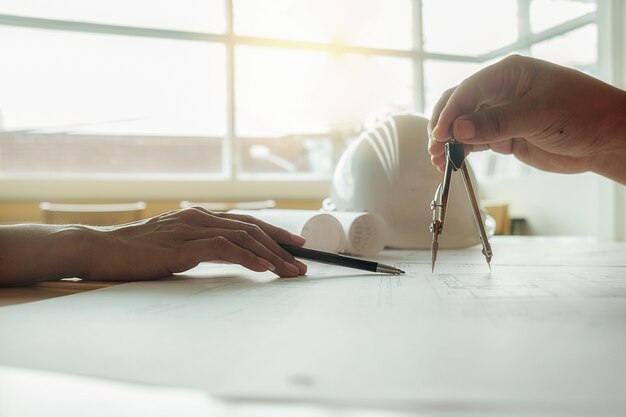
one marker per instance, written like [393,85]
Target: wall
[554,204]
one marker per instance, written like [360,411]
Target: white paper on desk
[355,233]
[524,337]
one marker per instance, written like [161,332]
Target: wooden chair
[500,213]
[92,214]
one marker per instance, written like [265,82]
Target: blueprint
[532,333]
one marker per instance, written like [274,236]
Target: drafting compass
[455,161]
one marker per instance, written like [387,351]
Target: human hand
[551,117]
[179,240]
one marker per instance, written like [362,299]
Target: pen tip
[401,271]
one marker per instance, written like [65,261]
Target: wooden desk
[46,290]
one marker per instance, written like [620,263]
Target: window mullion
[534,38]
[230,156]
[419,92]
[524,32]
[106,29]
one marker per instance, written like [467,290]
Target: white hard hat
[387,171]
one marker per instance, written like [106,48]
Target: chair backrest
[231,205]
[92,214]
[499,211]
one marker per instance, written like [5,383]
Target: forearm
[33,253]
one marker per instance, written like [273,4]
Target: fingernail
[464,129]
[301,266]
[434,132]
[292,268]
[298,239]
[266,264]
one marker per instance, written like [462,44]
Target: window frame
[198,187]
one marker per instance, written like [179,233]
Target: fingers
[533,155]
[487,127]
[491,87]
[440,160]
[222,249]
[539,158]
[503,147]
[465,98]
[436,148]
[434,118]
[207,219]
[247,241]
[459,103]
[268,235]
[274,232]
[494,124]
[452,104]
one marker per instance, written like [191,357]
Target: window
[220,93]
[561,31]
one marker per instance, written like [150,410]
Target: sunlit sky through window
[189,15]
[80,82]
[65,81]
[372,23]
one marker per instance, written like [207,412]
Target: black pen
[340,260]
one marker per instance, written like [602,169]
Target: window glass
[545,14]
[442,75]
[111,84]
[67,85]
[77,103]
[308,99]
[86,156]
[282,92]
[488,164]
[189,15]
[290,157]
[577,49]
[372,23]
[463,27]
